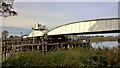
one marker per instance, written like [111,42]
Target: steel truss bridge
[105,25]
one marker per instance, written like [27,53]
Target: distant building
[37,30]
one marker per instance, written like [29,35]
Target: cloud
[53,14]
[66,0]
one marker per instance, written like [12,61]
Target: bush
[73,57]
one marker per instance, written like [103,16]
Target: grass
[73,57]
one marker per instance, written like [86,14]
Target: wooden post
[85,42]
[33,38]
[5,49]
[68,46]
[90,41]
[21,48]
[71,45]
[118,39]
[46,47]
[38,47]
[42,44]
[45,40]
[42,47]
[57,46]
[32,47]
[1,52]
[5,52]
[13,50]
[61,46]
[27,47]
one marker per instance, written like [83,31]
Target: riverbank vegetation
[76,57]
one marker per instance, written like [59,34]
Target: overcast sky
[67,0]
[53,14]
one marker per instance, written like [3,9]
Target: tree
[5,33]
[11,36]
[6,8]
[16,37]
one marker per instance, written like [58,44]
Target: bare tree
[6,8]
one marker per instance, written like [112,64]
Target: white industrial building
[37,31]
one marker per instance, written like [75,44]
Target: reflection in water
[105,44]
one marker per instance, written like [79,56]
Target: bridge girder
[106,25]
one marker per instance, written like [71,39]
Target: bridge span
[104,25]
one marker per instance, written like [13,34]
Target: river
[108,44]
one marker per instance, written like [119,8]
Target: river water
[108,44]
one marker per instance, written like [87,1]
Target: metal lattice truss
[88,26]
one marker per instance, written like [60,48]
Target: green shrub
[74,57]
